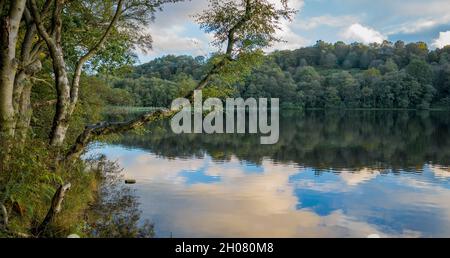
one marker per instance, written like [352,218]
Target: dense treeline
[321,76]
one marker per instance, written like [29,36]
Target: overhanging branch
[93,131]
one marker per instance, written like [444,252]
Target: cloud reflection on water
[199,197]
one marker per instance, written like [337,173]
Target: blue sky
[175,31]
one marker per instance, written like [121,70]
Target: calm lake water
[332,174]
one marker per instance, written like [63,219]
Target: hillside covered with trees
[388,75]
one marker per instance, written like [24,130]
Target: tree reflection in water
[115,213]
[353,140]
[333,174]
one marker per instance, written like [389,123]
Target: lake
[332,174]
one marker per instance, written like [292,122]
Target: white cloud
[419,25]
[425,8]
[443,40]
[241,204]
[294,4]
[326,20]
[170,31]
[360,33]
[354,178]
[440,172]
[291,40]
[415,17]
[171,40]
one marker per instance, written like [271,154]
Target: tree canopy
[388,75]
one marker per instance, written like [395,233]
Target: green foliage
[29,184]
[420,70]
[97,205]
[168,67]
[86,21]
[219,92]
[95,95]
[252,23]
[236,71]
[322,76]
[153,92]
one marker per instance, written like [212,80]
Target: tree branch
[93,131]
[45,103]
[55,208]
[238,25]
[43,81]
[229,52]
[92,52]
[40,26]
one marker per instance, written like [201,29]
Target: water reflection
[346,174]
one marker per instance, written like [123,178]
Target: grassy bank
[97,204]
[28,185]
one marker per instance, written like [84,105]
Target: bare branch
[43,81]
[55,208]
[45,103]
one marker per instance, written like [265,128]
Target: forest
[388,75]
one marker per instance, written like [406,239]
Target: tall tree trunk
[67,92]
[29,66]
[9,32]
[64,109]
[9,26]
[22,99]
[24,113]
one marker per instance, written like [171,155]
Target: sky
[175,31]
